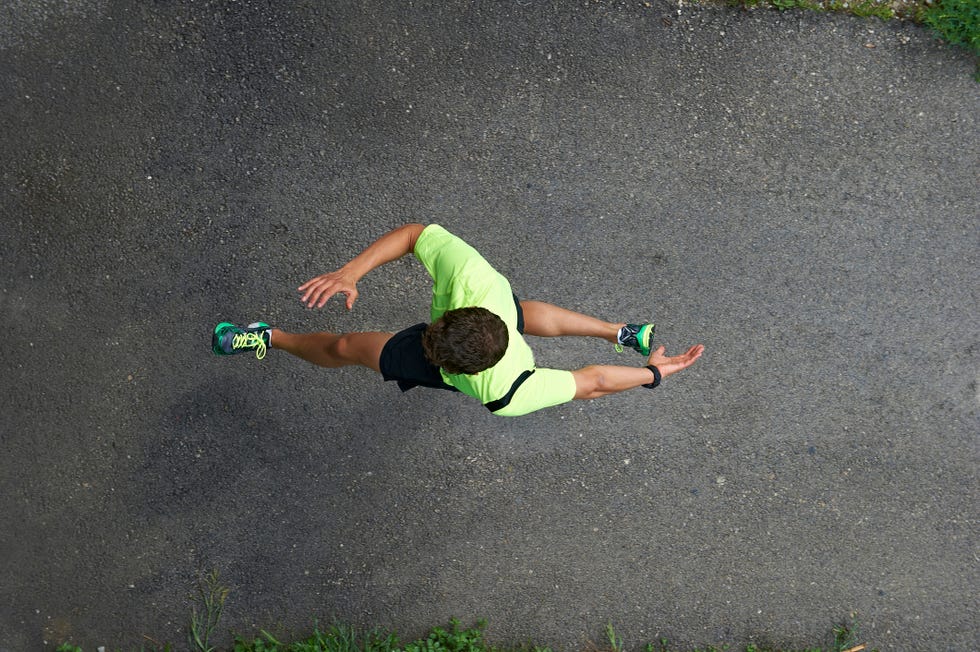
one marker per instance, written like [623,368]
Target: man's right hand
[318,290]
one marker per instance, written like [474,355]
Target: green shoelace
[250,341]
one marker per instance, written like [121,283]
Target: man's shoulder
[442,251]
[434,232]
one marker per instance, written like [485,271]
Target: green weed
[212,597]
[957,22]
[615,643]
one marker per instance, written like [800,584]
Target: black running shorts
[403,359]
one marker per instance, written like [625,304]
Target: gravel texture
[797,191]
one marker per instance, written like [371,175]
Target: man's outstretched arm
[601,380]
[389,247]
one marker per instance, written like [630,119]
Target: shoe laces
[250,341]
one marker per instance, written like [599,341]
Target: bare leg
[547,320]
[333,349]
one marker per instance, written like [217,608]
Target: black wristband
[656,377]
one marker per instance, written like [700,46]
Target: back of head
[466,340]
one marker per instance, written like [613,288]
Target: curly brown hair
[465,340]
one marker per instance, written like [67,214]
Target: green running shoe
[229,339]
[637,337]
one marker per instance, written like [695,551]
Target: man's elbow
[414,230]
[590,382]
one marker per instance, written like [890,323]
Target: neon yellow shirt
[462,278]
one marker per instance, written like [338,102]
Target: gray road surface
[797,191]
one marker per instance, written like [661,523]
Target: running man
[475,343]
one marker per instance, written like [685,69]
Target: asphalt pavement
[797,191]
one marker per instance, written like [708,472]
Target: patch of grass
[346,638]
[343,638]
[871,9]
[336,638]
[883,9]
[783,5]
[956,22]
[207,607]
